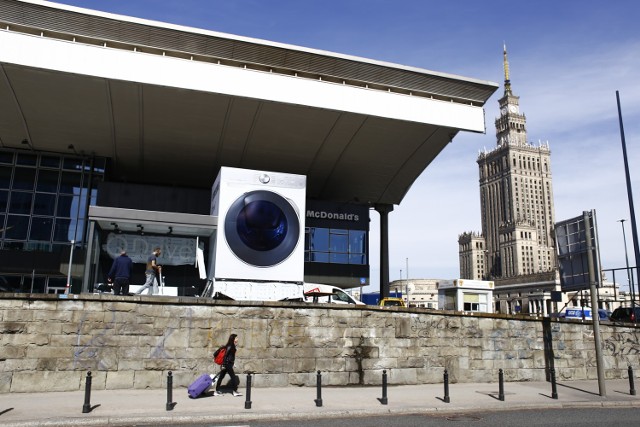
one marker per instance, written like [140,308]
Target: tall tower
[516,197]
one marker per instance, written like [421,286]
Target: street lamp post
[626,256]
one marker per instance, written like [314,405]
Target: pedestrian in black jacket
[227,366]
[120,274]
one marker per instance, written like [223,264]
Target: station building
[114,128]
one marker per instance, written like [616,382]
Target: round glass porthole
[262,228]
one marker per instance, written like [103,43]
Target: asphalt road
[579,417]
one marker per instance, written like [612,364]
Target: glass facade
[335,246]
[44,200]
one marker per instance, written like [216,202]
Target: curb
[141,420]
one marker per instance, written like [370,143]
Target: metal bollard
[446,387]
[384,400]
[86,408]
[318,389]
[170,403]
[500,385]
[554,388]
[247,402]
[632,389]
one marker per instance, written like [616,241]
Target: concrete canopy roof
[174,107]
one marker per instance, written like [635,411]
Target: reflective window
[339,241]
[44,204]
[67,206]
[24,178]
[17,227]
[6,158]
[4,198]
[62,233]
[26,159]
[20,203]
[47,181]
[72,164]
[41,229]
[338,258]
[5,177]
[335,246]
[50,162]
[70,182]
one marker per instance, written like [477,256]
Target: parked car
[626,314]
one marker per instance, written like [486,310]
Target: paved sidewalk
[140,407]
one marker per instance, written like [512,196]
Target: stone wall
[48,343]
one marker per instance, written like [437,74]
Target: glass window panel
[18,246]
[24,179]
[319,239]
[72,164]
[356,241]
[319,257]
[13,283]
[41,228]
[339,242]
[94,196]
[2,227]
[26,159]
[47,181]
[307,238]
[44,204]
[339,258]
[70,182]
[5,177]
[83,202]
[67,206]
[20,203]
[61,233]
[6,158]
[17,227]
[98,165]
[4,198]
[50,162]
[76,227]
[357,259]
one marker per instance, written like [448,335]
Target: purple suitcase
[202,383]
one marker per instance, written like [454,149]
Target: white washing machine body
[260,234]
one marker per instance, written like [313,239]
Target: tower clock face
[513,108]
[503,110]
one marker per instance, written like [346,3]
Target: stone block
[272,380]
[147,379]
[23,339]
[45,381]
[119,380]
[15,365]
[48,315]
[46,352]
[5,382]
[18,315]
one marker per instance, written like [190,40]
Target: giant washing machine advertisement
[260,225]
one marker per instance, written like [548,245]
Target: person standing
[151,273]
[120,273]
[227,366]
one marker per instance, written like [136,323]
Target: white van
[319,293]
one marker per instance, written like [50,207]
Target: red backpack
[218,355]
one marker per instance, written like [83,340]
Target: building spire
[507,82]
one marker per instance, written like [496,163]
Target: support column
[384,210]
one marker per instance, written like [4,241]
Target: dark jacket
[121,268]
[230,356]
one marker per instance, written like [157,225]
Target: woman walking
[227,366]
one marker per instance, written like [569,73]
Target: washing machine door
[262,228]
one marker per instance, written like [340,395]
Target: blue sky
[567,59]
